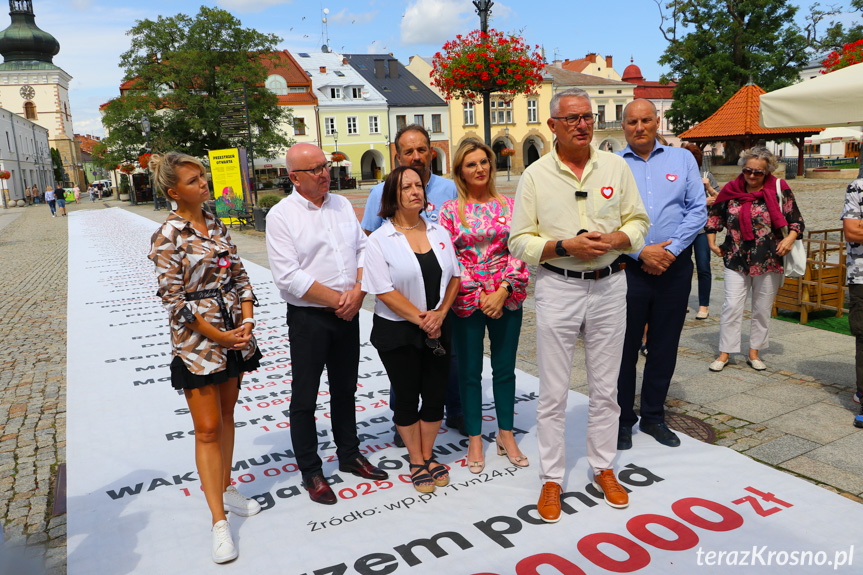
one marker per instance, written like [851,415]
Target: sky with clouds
[92,33]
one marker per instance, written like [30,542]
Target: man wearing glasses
[659,276]
[576,210]
[316,247]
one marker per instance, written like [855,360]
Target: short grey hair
[554,105]
[759,153]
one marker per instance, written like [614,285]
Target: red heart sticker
[606,191]
[430,207]
[671,177]
[501,220]
[223,262]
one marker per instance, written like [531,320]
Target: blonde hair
[164,169]
[468,146]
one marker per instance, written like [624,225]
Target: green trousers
[468,334]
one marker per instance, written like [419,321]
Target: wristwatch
[559,249]
[509,289]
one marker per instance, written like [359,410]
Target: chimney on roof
[591,57]
[557,64]
[393,65]
[380,69]
[608,61]
[344,61]
[323,69]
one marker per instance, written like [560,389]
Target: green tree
[835,35]
[716,48]
[57,167]
[184,71]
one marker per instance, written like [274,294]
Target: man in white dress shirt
[316,247]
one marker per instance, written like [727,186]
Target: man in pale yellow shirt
[576,210]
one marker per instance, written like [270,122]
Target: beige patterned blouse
[187,261]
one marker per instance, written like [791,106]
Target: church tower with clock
[33,87]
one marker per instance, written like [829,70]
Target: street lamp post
[338,164]
[508,157]
[483,8]
[145,127]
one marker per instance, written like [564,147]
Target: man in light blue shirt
[413,148]
[659,276]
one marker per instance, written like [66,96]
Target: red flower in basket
[5,175]
[507,152]
[144,161]
[338,157]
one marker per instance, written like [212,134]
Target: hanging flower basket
[434,153]
[5,174]
[144,161]
[126,168]
[338,157]
[507,152]
[494,62]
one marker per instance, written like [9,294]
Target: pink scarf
[736,190]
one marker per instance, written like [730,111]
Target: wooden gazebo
[737,119]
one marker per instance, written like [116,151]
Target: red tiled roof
[87,142]
[654,90]
[576,65]
[738,117]
[283,64]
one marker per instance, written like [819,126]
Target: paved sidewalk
[796,416]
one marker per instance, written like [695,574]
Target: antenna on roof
[325,33]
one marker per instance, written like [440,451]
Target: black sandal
[439,474]
[422,480]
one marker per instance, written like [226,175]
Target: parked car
[285,183]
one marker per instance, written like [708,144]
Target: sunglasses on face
[751,172]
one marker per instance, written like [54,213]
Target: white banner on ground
[135,503]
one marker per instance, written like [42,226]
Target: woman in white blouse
[411,267]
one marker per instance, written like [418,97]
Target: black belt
[591,275]
[217,294]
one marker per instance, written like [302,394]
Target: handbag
[794,262]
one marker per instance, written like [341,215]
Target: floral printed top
[187,261]
[758,256]
[482,253]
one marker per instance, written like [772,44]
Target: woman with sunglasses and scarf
[411,267]
[749,209]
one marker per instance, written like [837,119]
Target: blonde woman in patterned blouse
[209,299]
[493,288]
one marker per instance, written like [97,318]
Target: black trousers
[855,322]
[318,338]
[658,302]
[416,374]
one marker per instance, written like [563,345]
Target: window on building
[501,112]
[352,125]
[8,144]
[436,126]
[277,85]
[30,110]
[620,91]
[374,125]
[401,122]
[600,113]
[601,91]
[532,111]
[357,93]
[469,118]
[618,112]
[336,93]
[299,126]
[297,90]
[418,120]
[329,126]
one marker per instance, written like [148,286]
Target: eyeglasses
[575,120]
[317,170]
[751,172]
[474,165]
[435,346]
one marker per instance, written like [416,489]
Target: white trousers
[565,309]
[737,287]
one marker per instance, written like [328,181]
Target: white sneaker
[223,543]
[236,503]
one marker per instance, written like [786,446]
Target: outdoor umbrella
[834,99]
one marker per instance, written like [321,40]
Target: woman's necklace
[408,228]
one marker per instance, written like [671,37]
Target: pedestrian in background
[209,299]
[77,191]
[700,247]
[492,289]
[60,198]
[749,209]
[52,203]
[35,193]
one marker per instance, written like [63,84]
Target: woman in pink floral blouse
[748,207]
[493,288]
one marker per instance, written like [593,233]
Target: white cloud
[345,17]
[249,6]
[435,21]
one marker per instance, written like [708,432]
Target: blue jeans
[702,265]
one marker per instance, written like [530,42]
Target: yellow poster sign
[227,181]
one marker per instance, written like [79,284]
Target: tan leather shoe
[615,495]
[549,502]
